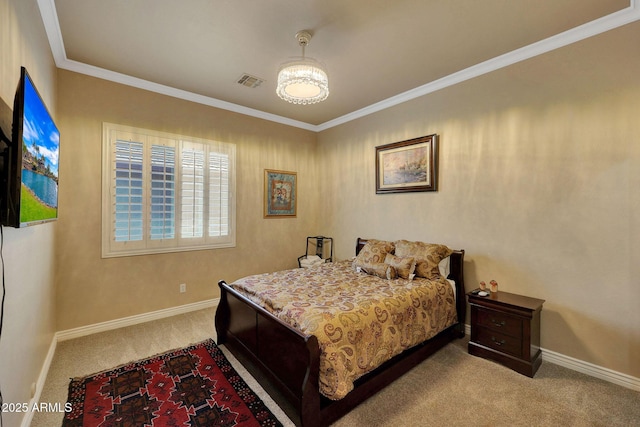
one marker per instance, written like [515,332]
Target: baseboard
[133,320]
[587,368]
[590,369]
[26,420]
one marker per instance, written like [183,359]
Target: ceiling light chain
[303,80]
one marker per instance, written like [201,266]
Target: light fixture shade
[303,81]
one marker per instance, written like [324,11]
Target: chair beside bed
[286,362]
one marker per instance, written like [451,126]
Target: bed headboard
[456,265]
[360,244]
[456,273]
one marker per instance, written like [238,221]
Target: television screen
[32,181]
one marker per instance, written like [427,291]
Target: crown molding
[590,29]
[609,22]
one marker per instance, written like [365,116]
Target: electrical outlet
[183,287]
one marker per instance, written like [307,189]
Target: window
[165,193]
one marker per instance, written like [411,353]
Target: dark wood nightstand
[506,328]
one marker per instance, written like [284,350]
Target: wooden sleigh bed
[286,361]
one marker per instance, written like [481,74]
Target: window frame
[111,134]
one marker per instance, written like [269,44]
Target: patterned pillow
[373,252]
[427,256]
[404,266]
[382,270]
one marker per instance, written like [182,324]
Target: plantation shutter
[128,207]
[218,191]
[162,193]
[206,193]
[192,190]
[162,198]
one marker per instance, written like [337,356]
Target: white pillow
[444,267]
[311,261]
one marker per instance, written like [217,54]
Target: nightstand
[505,328]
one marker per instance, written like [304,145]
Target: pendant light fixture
[303,80]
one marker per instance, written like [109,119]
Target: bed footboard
[288,359]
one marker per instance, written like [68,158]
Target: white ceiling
[378,52]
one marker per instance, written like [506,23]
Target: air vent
[250,81]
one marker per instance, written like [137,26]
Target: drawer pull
[498,324]
[496,342]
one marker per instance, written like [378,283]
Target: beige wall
[29,322]
[92,289]
[539,177]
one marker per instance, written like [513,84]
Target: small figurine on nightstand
[482,292]
[494,286]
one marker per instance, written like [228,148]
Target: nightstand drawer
[501,342]
[500,322]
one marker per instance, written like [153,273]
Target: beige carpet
[451,388]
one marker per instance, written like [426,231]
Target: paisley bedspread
[360,320]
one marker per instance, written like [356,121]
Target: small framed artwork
[280,194]
[407,166]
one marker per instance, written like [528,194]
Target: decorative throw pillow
[404,266]
[373,252]
[427,256]
[382,270]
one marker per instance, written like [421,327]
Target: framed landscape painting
[407,166]
[280,194]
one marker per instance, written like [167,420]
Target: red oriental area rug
[194,386]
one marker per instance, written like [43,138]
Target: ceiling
[377,52]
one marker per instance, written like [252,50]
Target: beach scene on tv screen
[40,151]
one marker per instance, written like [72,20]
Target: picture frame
[280,194]
[407,166]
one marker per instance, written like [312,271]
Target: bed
[267,335]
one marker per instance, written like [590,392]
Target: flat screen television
[30,175]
